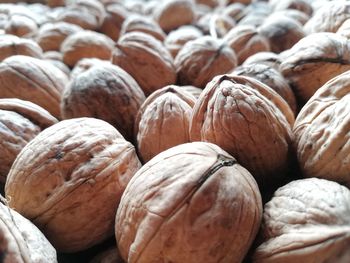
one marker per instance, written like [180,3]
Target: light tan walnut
[69,179]
[113,20]
[215,24]
[294,14]
[300,5]
[192,203]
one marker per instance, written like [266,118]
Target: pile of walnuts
[175,131]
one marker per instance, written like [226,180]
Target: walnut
[301,5]
[209,3]
[71,173]
[106,92]
[196,92]
[248,120]
[246,41]
[21,241]
[294,14]
[85,64]
[56,58]
[344,29]
[267,58]
[322,132]
[11,45]
[306,221]
[34,80]
[20,25]
[163,121]
[110,255]
[202,59]
[235,11]
[191,203]
[113,20]
[314,60]
[146,59]
[86,44]
[217,25]
[51,35]
[255,14]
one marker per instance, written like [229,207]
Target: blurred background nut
[163,121]
[194,198]
[322,131]
[71,173]
[86,44]
[20,25]
[267,58]
[300,5]
[344,29]
[217,25]
[196,92]
[202,59]
[313,61]
[21,241]
[306,220]
[56,58]
[255,14]
[146,59]
[106,92]
[85,64]
[294,14]
[34,80]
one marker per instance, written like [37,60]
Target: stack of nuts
[178,131]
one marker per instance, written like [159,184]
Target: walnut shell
[72,172]
[34,80]
[267,58]
[202,59]
[235,10]
[106,92]
[306,221]
[344,29]
[146,59]
[196,92]
[113,20]
[21,241]
[217,25]
[86,44]
[314,60]
[196,205]
[300,5]
[294,14]
[85,64]
[246,41]
[322,132]
[248,120]
[163,121]
[51,35]
[20,25]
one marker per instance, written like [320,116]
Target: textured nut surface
[106,92]
[344,29]
[192,198]
[202,59]
[20,25]
[301,5]
[34,80]
[72,172]
[85,64]
[146,59]
[267,58]
[21,241]
[196,92]
[246,118]
[163,121]
[308,221]
[322,132]
[314,60]
[113,20]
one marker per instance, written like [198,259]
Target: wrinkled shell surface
[267,58]
[113,21]
[301,5]
[72,172]
[322,132]
[307,221]
[85,64]
[196,92]
[192,198]
[34,80]
[20,25]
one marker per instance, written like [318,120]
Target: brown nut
[215,24]
[34,80]
[246,41]
[314,60]
[20,25]
[248,120]
[300,5]
[322,132]
[196,92]
[71,173]
[106,92]
[146,59]
[192,203]
[294,14]
[202,59]
[86,44]
[267,58]
[21,241]
[85,64]
[163,121]
[306,221]
[113,20]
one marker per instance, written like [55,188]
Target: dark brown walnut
[192,203]
[246,41]
[110,255]
[267,58]
[20,25]
[85,64]
[272,78]
[282,32]
[171,14]
[139,23]
[146,59]
[51,35]
[34,80]
[300,5]
[322,132]
[294,14]
[21,241]
[329,17]
[86,44]
[113,20]
[314,60]
[306,221]
[196,92]
[202,59]
[163,121]
[106,92]
[176,39]
[215,24]
[344,29]
[11,45]
[248,120]
[69,179]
